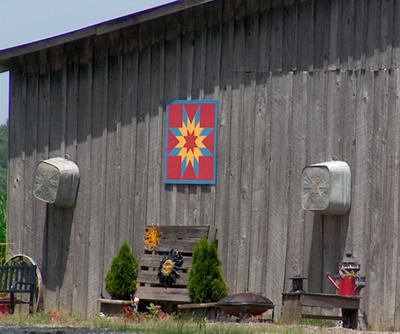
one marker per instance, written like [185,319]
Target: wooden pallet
[183,238]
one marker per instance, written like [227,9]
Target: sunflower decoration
[152,238]
[170,266]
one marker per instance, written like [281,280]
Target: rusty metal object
[243,304]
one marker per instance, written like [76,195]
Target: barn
[297,81]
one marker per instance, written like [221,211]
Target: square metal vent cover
[56,182]
[327,188]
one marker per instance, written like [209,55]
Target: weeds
[152,324]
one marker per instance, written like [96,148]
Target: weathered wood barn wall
[298,82]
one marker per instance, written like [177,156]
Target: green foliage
[3,157]
[3,227]
[121,278]
[206,283]
[154,310]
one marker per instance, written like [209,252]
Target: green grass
[318,322]
[175,325]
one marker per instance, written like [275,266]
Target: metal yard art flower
[170,267]
[152,238]
[191,142]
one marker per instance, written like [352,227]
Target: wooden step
[151,277]
[175,295]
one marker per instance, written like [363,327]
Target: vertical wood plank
[142,130]
[333,59]
[277,224]
[155,133]
[66,268]
[395,63]
[212,92]
[297,158]
[112,202]
[181,191]
[264,44]
[117,47]
[247,152]
[392,199]
[235,146]
[18,85]
[42,154]
[385,44]
[187,40]
[170,84]
[321,34]
[83,207]
[316,143]
[349,150]
[261,156]
[71,124]
[305,17]
[265,281]
[360,32]
[360,200]
[345,141]
[98,163]
[373,35]
[277,43]
[334,136]
[346,34]
[128,137]
[396,108]
[225,106]
[54,270]
[290,35]
[377,203]
[30,162]
[197,92]
[135,229]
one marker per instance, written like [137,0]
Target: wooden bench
[182,238]
[18,279]
[293,303]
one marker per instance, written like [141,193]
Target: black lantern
[297,283]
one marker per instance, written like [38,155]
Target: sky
[24,21]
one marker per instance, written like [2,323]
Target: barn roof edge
[6,55]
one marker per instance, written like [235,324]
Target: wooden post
[291,309]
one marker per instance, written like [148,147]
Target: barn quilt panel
[191,142]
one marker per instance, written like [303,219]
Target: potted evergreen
[121,278]
[206,283]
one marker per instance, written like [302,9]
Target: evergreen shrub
[121,278]
[206,283]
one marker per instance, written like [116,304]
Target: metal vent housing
[327,188]
[56,182]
